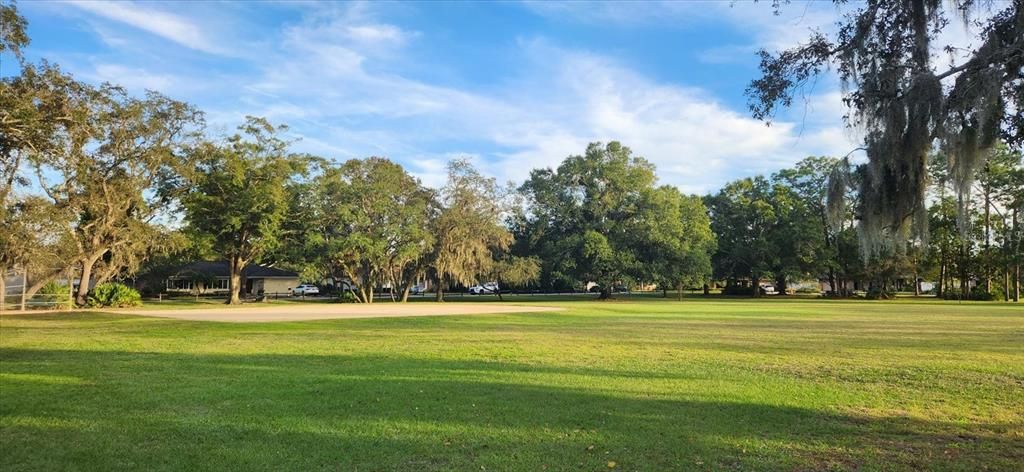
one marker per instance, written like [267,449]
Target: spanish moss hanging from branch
[904,105]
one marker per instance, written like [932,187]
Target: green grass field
[635,385]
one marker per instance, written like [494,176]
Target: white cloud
[325,84]
[166,25]
[329,77]
[696,142]
[377,34]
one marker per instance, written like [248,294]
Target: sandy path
[328,311]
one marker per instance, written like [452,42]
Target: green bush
[346,297]
[113,295]
[54,295]
[977,293]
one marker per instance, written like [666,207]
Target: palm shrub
[113,295]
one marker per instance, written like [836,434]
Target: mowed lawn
[632,385]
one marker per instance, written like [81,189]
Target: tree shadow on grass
[275,412]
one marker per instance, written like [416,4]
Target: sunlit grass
[645,383]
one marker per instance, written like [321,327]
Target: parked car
[768,289]
[489,287]
[305,289]
[417,289]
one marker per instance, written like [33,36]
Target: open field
[645,384]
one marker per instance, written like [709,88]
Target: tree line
[797,224]
[102,185]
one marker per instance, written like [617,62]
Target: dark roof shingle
[221,269]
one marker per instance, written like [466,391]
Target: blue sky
[513,85]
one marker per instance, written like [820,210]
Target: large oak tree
[904,98]
[236,196]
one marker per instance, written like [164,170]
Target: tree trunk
[707,289]
[964,283]
[439,292]
[679,290]
[781,282]
[3,289]
[917,286]
[755,283]
[24,278]
[664,291]
[405,292]
[38,284]
[985,261]
[1016,258]
[606,293]
[1006,282]
[1016,282]
[939,289]
[84,281]
[236,265]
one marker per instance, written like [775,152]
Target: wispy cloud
[342,78]
[161,23]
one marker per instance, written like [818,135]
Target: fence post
[24,282]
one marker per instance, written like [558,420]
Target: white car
[306,289]
[490,287]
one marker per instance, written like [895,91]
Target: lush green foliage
[373,228]
[236,196]
[113,295]
[600,218]
[743,216]
[650,385]
[469,229]
[110,154]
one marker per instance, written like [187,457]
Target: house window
[221,284]
[179,284]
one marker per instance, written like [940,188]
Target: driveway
[258,313]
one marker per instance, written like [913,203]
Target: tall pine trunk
[939,290]
[986,265]
[1006,281]
[1016,258]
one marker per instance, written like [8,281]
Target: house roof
[221,269]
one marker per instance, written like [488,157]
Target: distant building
[214,276]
